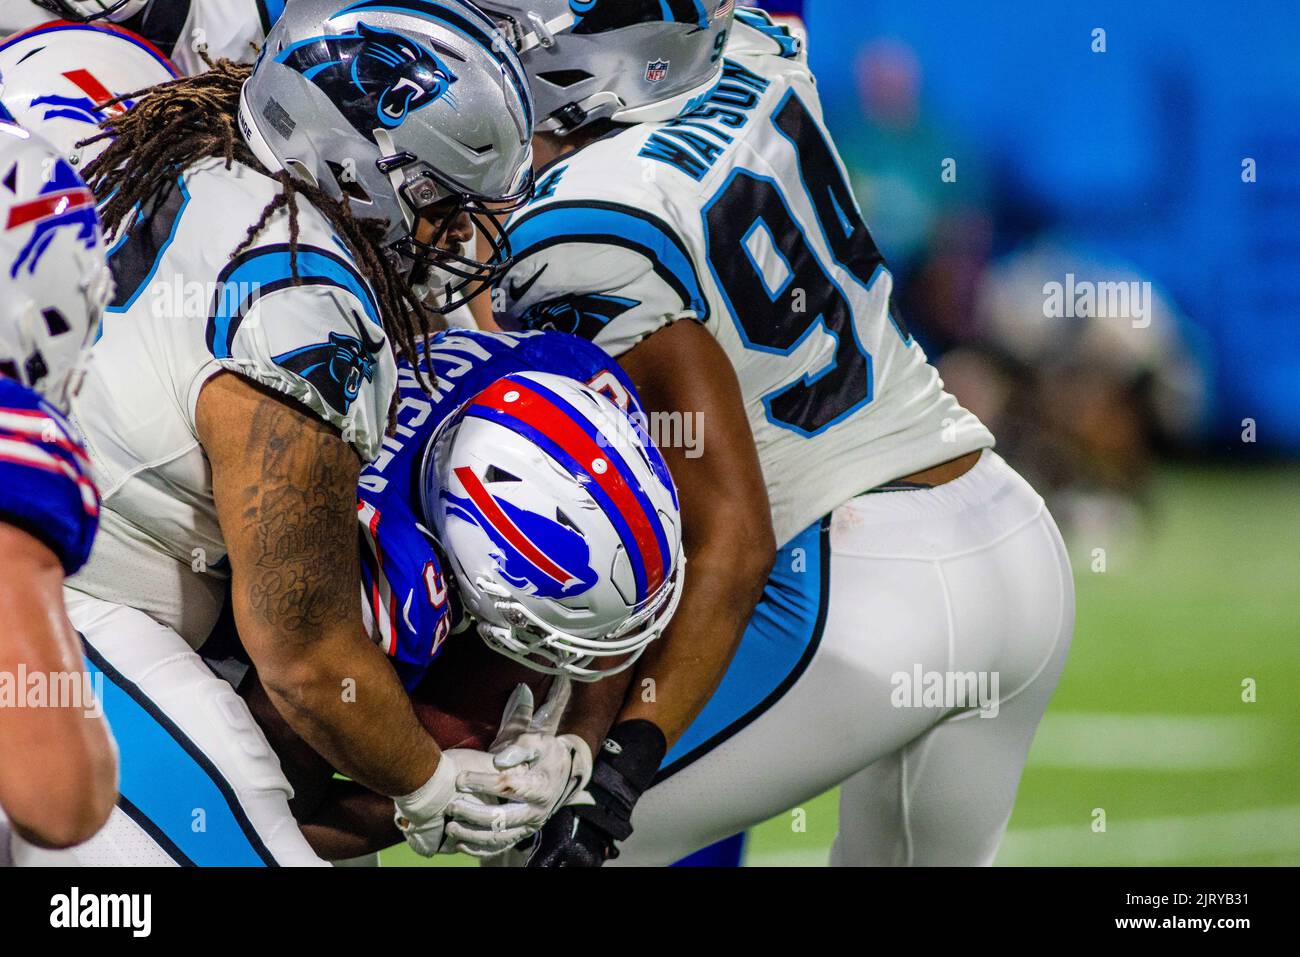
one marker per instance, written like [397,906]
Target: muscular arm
[726,525]
[58,766]
[285,489]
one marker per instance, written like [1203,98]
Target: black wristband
[635,749]
[626,766]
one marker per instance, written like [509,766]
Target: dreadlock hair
[176,124]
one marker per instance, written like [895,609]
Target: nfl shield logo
[656,71]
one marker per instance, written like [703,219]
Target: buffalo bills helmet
[560,524]
[84,11]
[58,80]
[53,266]
[395,106]
[631,61]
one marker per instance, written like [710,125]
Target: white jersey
[184,311]
[737,214]
[183,29]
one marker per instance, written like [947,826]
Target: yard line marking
[1224,836]
[1152,742]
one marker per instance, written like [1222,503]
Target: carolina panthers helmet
[55,274]
[560,523]
[631,61]
[395,106]
[56,79]
[84,11]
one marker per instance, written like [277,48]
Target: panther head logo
[334,368]
[376,77]
[584,316]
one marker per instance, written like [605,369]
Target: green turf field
[1148,723]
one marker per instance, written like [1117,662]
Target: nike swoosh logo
[519,290]
[372,345]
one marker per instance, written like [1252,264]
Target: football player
[188,30]
[245,373]
[693,218]
[58,765]
[527,476]
[66,78]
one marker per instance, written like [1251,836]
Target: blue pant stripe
[782,636]
[165,778]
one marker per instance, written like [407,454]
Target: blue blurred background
[1130,160]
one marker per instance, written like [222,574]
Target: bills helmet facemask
[58,80]
[631,61]
[84,11]
[560,523]
[53,266]
[396,107]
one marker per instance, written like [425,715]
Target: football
[461,700]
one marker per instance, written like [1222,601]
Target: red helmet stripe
[51,204]
[538,412]
[481,497]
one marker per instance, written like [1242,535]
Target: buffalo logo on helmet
[90,109]
[546,556]
[601,16]
[64,202]
[375,76]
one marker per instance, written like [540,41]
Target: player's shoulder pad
[306,323]
[45,483]
[600,253]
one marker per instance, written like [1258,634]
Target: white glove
[535,773]
[421,816]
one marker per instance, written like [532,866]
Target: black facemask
[466,277]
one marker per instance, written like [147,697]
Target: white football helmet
[53,268]
[84,11]
[56,79]
[560,523]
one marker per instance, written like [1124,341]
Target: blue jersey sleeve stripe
[611,224]
[267,269]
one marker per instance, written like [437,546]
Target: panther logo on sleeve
[335,368]
[583,316]
[380,77]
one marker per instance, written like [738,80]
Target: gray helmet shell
[391,110]
[627,60]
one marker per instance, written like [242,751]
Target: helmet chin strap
[544,31]
[598,106]
[396,176]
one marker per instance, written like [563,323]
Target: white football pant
[906,652]
[200,784]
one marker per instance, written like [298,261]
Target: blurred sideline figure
[1077,362]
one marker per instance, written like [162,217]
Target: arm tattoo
[301,515]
